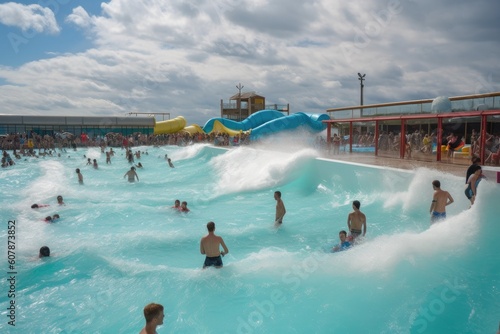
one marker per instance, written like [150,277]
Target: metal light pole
[361,79]
[240,87]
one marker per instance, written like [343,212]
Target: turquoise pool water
[119,246]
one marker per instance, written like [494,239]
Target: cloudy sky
[89,57]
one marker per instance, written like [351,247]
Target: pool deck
[456,168]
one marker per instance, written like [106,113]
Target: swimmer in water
[184,207]
[60,200]
[36,206]
[139,165]
[177,205]
[170,163]
[343,244]
[131,174]
[44,252]
[80,176]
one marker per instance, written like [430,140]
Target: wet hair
[44,251]
[56,216]
[343,232]
[48,218]
[436,183]
[34,206]
[357,204]
[210,226]
[177,202]
[475,168]
[278,193]
[184,203]
[151,311]
[78,170]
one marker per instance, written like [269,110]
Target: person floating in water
[472,183]
[60,200]
[356,221]
[440,200]
[210,246]
[280,208]
[52,219]
[177,205]
[184,207]
[44,252]
[131,175]
[344,244]
[80,176]
[170,163]
[36,206]
[139,165]
[154,317]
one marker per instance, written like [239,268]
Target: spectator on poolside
[210,246]
[153,313]
[356,221]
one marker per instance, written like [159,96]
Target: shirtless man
[80,176]
[440,200]
[210,246]
[154,317]
[356,221]
[131,175]
[280,208]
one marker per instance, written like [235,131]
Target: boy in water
[131,175]
[280,208]
[356,221]
[344,244]
[184,207]
[154,317]
[80,176]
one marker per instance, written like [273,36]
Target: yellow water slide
[193,129]
[171,126]
[220,128]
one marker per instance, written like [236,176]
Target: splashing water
[119,246]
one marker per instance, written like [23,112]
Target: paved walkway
[371,159]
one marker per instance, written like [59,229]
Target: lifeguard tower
[242,105]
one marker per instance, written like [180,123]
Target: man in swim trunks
[210,246]
[154,317]
[131,175]
[356,221]
[440,200]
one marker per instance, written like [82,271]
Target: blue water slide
[309,121]
[251,122]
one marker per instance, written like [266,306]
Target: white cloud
[28,17]
[79,17]
[183,57]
